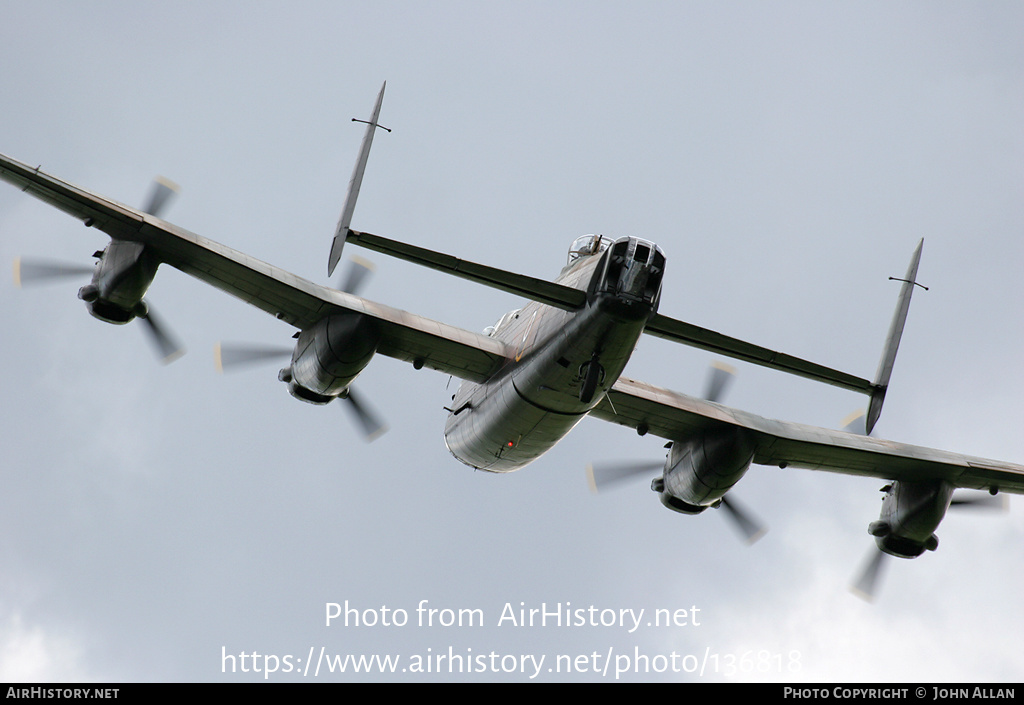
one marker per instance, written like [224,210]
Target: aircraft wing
[292,299]
[676,416]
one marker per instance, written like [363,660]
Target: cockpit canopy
[587,245]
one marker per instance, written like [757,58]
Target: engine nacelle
[329,355]
[122,277]
[701,470]
[911,511]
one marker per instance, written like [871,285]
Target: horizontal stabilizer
[542,290]
[570,299]
[697,337]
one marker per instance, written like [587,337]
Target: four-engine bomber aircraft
[532,377]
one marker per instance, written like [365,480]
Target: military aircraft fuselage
[564,362]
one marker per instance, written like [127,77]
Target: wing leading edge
[677,416]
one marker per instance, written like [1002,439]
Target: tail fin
[892,343]
[341,232]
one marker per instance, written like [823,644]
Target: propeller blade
[866,584]
[371,424]
[168,347]
[359,270]
[160,195]
[718,380]
[999,502]
[33,271]
[721,375]
[232,355]
[751,529]
[856,423]
[604,475]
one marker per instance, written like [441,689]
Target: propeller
[41,271]
[359,271]
[856,423]
[234,355]
[160,194]
[371,424]
[603,475]
[719,378]
[751,529]
[166,344]
[867,583]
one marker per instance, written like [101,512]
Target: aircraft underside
[507,423]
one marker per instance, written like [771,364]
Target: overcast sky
[786,156]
